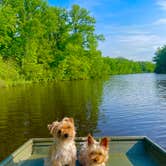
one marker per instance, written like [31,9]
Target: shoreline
[6,84]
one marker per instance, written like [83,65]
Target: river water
[125,105]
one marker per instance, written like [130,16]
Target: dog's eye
[92,153]
[69,127]
[100,153]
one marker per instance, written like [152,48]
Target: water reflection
[161,86]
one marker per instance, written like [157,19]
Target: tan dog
[94,153]
[63,151]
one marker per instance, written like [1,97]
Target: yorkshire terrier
[94,153]
[63,151]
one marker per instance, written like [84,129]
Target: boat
[124,151]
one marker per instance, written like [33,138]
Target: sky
[133,29]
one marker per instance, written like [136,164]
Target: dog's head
[97,151]
[63,130]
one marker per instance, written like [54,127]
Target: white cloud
[162,4]
[132,42]
[161,21]
[128,29]
[139,40]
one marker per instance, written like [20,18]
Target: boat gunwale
[155,145]
[32,142]
[112,138]
[17,151]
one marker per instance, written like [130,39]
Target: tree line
[124,66]
[39,42]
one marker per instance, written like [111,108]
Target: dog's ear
[49,126]
[105,143]
[52,127]
[71,120]
[68,120]
[90,140]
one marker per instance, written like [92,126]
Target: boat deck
[115,160]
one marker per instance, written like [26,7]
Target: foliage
[160,60]
[8,71]
[39,42]
[125,66]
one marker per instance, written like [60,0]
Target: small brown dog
[63,151]
[94,153]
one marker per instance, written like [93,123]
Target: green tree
[160,60]
[7,29]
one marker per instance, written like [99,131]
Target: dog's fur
[94,153]
[63,151]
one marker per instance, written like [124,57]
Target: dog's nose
[59,132]
[66,135]
[95,160]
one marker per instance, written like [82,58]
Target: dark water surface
[122,105]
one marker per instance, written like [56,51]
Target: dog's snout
[95,160]
[66,135]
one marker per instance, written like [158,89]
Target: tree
[160,60]
[7,29]
[82,27]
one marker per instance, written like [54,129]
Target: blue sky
[133,29]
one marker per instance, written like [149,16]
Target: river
[133,104]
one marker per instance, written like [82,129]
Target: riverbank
[10,83]
[11,74]
[6,84]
